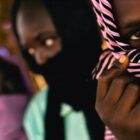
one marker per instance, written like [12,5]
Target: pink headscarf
[117,47]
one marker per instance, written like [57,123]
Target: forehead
[31,22]
[126,12]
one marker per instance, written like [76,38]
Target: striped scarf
[117,47]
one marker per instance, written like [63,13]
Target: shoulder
[38,102]
[35,115]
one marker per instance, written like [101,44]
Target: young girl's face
[37,33]
[127,15]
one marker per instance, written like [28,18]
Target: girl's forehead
[35,19]
[32,23]
[125,6]
[31,17]
[126,12]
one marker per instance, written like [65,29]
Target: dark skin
[118,93]
[37,33]
[127,14]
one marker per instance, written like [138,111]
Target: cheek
[135,44]
[57,47]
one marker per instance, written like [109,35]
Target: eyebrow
[132,24]
[130,27]
[48,34]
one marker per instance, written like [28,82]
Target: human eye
[49,42]
[135,36]
[134,39]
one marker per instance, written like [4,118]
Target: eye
[134,40]
[49,42]
[135,36]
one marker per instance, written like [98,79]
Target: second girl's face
[38,34]
[127,14]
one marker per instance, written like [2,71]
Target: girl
[118,91]
[59,38]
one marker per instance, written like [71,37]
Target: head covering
[106,21]
[76,60]
[67,72]
[117,46]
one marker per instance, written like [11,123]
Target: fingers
[136,111]
[104,83]
[117,88]
[129,98]
[117,100]
[124,61]
[106,78]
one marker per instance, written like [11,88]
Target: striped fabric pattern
[116,45]
[105,62]
[108,134]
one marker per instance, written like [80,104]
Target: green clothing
[74,122]
[35,116]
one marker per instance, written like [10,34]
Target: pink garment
[11,114]
[116,44]
[12,106]
[4,54]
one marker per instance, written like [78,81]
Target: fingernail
[117,64]
[122,59]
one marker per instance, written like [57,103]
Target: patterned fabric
[109,135]
[116,45]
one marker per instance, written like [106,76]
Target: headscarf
[117,46]
[67,72]
[73,65]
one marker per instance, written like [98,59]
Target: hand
[117,102]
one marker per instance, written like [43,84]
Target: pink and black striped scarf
[117,47]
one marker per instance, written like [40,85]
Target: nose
[42,55]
